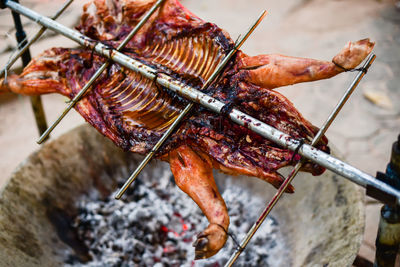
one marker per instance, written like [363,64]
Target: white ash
[133,232]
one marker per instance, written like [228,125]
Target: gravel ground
[364,131]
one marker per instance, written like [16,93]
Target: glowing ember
[157,223]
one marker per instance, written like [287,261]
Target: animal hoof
[201,245]
[353,54]
[210,241]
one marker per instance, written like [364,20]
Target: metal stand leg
[36,101]
[388,239]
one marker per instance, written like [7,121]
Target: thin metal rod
[284,140]
[344,99]
[149,156]
[36,101]
[13,59]
[83,91]
[298,166]
[170,130]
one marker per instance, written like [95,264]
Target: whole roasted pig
[134,111]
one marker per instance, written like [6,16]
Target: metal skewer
[83,91]
[284,140]
[296,169]
[210,80]
[34,39]
[36,101]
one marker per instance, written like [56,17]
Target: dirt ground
[362,133]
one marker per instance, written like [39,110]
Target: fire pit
[58,209]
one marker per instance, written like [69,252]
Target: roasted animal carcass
[134,111]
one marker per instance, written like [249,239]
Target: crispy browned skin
[271,71]
[193,174]
[134,112]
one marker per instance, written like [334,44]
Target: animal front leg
[41,76]
[271,71]
[18,85]
[193,174]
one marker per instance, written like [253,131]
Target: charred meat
[134,112]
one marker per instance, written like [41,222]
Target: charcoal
[156,224]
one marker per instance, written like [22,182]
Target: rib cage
[196,56]
[141,102]
[173,41]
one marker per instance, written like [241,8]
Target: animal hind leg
[193,174]
[271,71]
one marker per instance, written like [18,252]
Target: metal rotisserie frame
[286,141]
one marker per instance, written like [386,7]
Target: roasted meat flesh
[134,111]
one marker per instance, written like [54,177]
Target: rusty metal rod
[83,91]
[187,109]
[298,166]
[284,140]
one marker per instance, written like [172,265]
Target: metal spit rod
[286,141]
[13,59]
[296,169]
[99,72]
[170,130]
